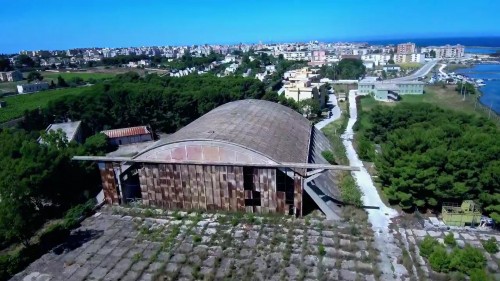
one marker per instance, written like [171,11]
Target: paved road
[332,100]
[419,73]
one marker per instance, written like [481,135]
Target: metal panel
[297,200]
[202,192]
[109,185]
[207,174]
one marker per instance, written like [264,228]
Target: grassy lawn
[453,67]
[16,105]
[7,87]
[446,98]
[84,75]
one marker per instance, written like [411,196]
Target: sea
[490,73]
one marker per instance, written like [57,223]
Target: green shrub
[439,259]
[491,245]
[197,238]
[450,240]
[75,214]
[479,275]
[466,259]
[53,235]
[321,250]
[427,246]
[350,191]
[329,157]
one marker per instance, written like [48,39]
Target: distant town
[383,62]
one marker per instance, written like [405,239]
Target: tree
[309,107]
[98,145]
[19,218]
[52,84]
[466,88]
[384,74]
[24,60]
[467,259]
[61,83]
[390,61]
[479,275]
[491,245]
[5,64]
[450,240]
[430,155]
[427,246]
[350,69]
[34,75]
[439,259]
[432,54]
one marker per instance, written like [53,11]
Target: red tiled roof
[127,132]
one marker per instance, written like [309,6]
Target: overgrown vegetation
[349,191]
[491,245]
[17,259]
[165,103]
[430,155]
[468,260]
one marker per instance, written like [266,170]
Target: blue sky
[55,24]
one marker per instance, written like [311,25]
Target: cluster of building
[316,53]
[302,84]
[11,76]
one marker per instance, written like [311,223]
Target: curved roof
[268,128]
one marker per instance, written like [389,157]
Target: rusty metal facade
[206,187]
[109,185]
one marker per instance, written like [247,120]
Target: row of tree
[430,156]
[164,103]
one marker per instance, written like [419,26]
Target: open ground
[147,244]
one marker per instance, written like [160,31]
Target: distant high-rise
[406,48]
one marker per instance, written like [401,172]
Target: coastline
[479,92]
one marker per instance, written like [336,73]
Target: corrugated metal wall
[179,186]
[109,185]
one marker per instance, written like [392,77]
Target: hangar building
[248,155]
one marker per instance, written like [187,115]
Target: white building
[301,84]
[389,90]
[31,88]
[378,59]
[447,51]
[409,58]
[72,131]
[11,76]
[300,55]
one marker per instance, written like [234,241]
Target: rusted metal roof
[127,132]
[266,127]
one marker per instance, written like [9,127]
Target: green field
[446,98]
[84,75]
[16,105]
[7,87]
